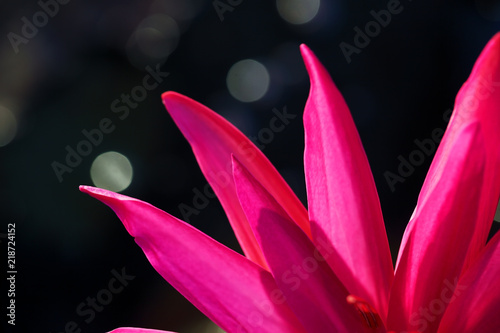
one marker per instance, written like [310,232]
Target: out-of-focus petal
[474,305]
[457,203]
[228,288]
[137,330]
[310,287]
[343,203]
[213,140]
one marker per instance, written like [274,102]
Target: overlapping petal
[343,202]
[474,305]
[213,140]
[316,277]
[438,236]
[457,203]
[310,287]
[228,288]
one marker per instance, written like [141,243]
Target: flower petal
[343,201]
[310,287]
[228,288]
[213,140]
[475,303]
[137,330]
[457,203]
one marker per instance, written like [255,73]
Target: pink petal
[457,203]
[478,101]
[475,303]
[228,288]
[343,202]
[137,330]
[213,140]
[310,287]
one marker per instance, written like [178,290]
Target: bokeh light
[8,126]
[248,80]
[112,171]
[298,11]
[488,9]
[153,41]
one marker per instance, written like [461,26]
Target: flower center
[368,314]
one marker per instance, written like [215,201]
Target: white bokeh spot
[111,171]
[248,80]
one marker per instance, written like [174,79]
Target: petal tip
[102,194]
[307,54]
[304,49]
[170,95]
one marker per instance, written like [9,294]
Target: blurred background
[70,70]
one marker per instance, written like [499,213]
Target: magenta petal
[310,287]
[137,330]
[475,303]
[213,140]
[343,202]
[457,203]
[227,287]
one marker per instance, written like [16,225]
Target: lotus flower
[329,269]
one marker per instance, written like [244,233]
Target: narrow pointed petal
[228,288]
[475,303]
[137,330]
[310,287]
[343,202]
[456,206]
[438,236]
[213,140]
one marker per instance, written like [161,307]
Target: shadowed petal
[474,306]
[228,288]
[310,287]
[137,330]
[343,202]
[457,203]
[213,140]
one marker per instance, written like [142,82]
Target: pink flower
[329,269]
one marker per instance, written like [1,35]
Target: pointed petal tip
[307,54]
[83,188]
[304,49]
[173,97]
[181,107]
[169,97]
[169,94]
[488,61]
[496,39]
[93,191]
[102,194]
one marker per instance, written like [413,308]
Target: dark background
[64,79]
